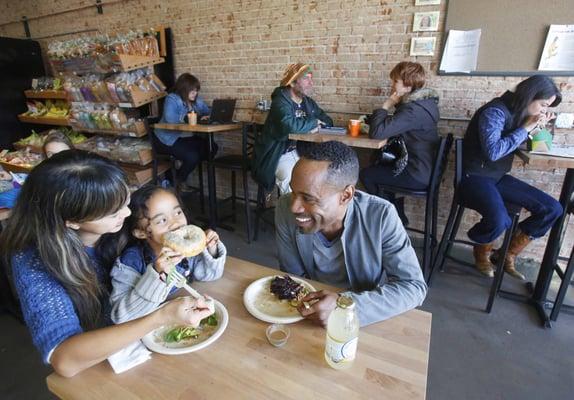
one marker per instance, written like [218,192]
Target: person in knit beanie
[292,111]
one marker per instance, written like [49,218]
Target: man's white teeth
[300,219]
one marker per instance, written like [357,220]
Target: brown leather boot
[518,243]
[482,262]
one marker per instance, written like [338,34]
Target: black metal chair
[451,230]
[566,277]
[431,195]
[262,211]
[159,157]
[240,163]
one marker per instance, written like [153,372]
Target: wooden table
[392,359]
[360,141]
[209,130]
[539,295]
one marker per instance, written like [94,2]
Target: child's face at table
[165,215]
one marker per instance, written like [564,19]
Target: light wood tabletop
[359,141]
[392,359]
[545,161]
[199,128]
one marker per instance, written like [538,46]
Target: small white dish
[277,334]
[265,306]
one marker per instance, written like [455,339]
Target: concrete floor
[504,355]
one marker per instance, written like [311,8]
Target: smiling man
[292,111]
[332,233]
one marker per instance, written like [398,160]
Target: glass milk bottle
[342,334]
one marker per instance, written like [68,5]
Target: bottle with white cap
[342,334]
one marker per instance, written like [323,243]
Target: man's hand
[320,310]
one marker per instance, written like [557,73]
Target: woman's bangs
[105,195]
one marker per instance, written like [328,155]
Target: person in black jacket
[415,120]
[493,135]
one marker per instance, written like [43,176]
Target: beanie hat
[294,72]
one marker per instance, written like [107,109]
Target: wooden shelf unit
[44,120]
[141,98]
[138,173]
[15,168]
[129,63]
[139,130]
[142,175]
[46,94]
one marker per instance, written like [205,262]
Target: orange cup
[354,127]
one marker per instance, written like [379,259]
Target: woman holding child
[58,249]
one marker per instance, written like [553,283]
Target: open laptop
[221,112]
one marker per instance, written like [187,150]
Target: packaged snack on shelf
[99,53]
[127,150]
[47,108]
[35,141]
[118,88]
[19,160]
[46,83]
[102,116]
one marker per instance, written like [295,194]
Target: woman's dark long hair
[74,186]
[184,84]
[537,87]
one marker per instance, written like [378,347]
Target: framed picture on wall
[426,21]
[423,46]
[426,2]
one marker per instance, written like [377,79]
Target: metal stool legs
[566,279]
[499,273]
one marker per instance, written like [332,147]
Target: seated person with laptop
[190,150]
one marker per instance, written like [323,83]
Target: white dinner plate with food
[266,306]
[178,339]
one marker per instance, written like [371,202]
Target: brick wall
[239,48]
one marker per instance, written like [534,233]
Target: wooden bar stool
[240,163]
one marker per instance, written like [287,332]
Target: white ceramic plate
[264,305]
[154,340]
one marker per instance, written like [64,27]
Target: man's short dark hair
[344,164]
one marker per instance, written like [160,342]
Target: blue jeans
[189,150]
[487,197]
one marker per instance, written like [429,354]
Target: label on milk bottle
[341,351]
